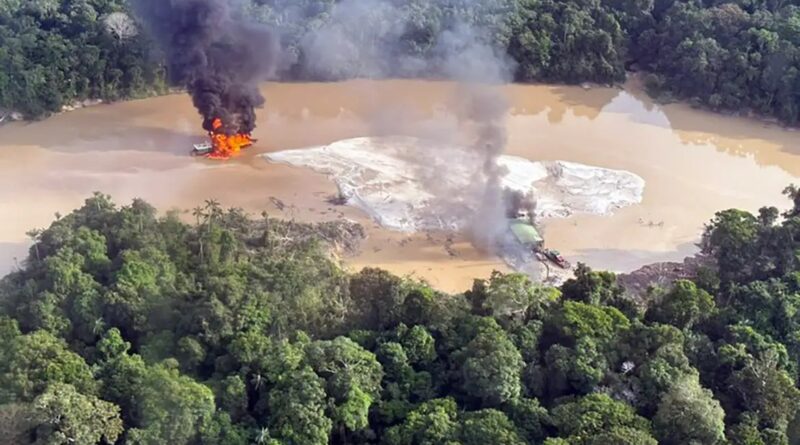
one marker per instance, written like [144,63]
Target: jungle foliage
[726,55]
[126,327]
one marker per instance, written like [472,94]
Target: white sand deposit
[409,184]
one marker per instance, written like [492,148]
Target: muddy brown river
[694,163]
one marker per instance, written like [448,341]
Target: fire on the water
[221,145]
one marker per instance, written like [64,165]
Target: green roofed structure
[526,233]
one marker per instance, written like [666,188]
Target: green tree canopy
[34,361]
[688,413]
[683,306]
[62,415]
[597,415]
[491,368]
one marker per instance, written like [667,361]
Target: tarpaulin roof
[525,232]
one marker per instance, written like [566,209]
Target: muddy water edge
[694,164]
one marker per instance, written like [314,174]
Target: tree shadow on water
[587,103]
[624,261]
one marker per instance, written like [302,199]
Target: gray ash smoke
[364,38]
[480,69]
[219,59]
[516,202]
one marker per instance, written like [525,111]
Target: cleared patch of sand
[398,184]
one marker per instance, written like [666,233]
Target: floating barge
[202,149]
[205,148]
[527,235]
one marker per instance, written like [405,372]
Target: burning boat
[202,149]
[222,146]
[220,59]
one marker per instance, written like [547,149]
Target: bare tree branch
[121,25]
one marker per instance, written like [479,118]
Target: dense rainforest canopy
[728,55]
[125,327]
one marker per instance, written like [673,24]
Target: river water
[694,164]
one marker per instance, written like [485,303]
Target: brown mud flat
[694,164]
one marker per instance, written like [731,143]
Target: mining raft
[206,148]
[202,149]
[526,234]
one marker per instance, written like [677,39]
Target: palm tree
[98,326]
[197,212]
[212,204]
[97,197]
[35,236]
[793,192]
[215,210]
[265,215]
[257,380]
[263,436]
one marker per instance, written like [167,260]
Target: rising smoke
[218,59]
[366,38]
[479,69]
[221,60]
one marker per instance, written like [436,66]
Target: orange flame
[225,146]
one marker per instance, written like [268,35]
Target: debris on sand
[638,283]
[448,247]
[342,236]
[7,116]
[337,199]
[277,203]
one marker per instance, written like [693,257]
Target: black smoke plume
[218,58]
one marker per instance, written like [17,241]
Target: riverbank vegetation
[728,55]
[125,327]
[54,53]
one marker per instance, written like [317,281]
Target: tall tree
[62,415]
[688,413]
[298,404]
[353,377]
[490,368]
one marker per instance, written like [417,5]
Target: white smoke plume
[369,39]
